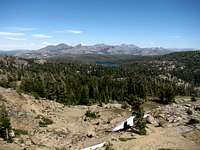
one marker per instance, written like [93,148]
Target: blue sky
[32,24]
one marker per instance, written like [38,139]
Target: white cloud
[43,36]
[75,31]
[70,31]
[15,39]
[11,34]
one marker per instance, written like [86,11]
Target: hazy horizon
[157,23]
[73,45]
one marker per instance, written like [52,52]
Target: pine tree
[5,125]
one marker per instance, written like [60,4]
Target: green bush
[36,95]
[138,112]
[125,105]
[140,123]
[90,114]
[134,101]
[109,146]
[193,99]
[20,132]
[44,122]
[167,94]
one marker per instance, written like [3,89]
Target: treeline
[73,83]
[183,65]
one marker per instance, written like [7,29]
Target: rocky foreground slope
[50,125]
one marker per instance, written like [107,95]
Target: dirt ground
[72,130]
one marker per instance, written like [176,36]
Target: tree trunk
[6,134]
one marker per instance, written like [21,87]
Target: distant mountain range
[64,49]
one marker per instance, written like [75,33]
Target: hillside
[71,129]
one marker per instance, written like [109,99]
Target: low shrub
[193,99]
[140,122]
[109,146]
[124,105]
[193,121]
[189,112]
[44,122]
[20,132]
[91,114]
[166,94]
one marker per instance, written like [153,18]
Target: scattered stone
[177,119]
[193,136]
[197,126]
[132,134]
[35,140]
[189,112]
[197,107]
[176,115]
[151,120]
[170,119]
[90,134]
[17,140]
[184,129]
[162,122]
[28,142]
[61,133]
[12,134]
[124,139]
[97,123]
[109,106]
[162,116]
[114,139]
[188,105]
[108,122]
[118,115]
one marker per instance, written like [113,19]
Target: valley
[61,103]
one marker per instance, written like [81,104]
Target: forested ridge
[80,83]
